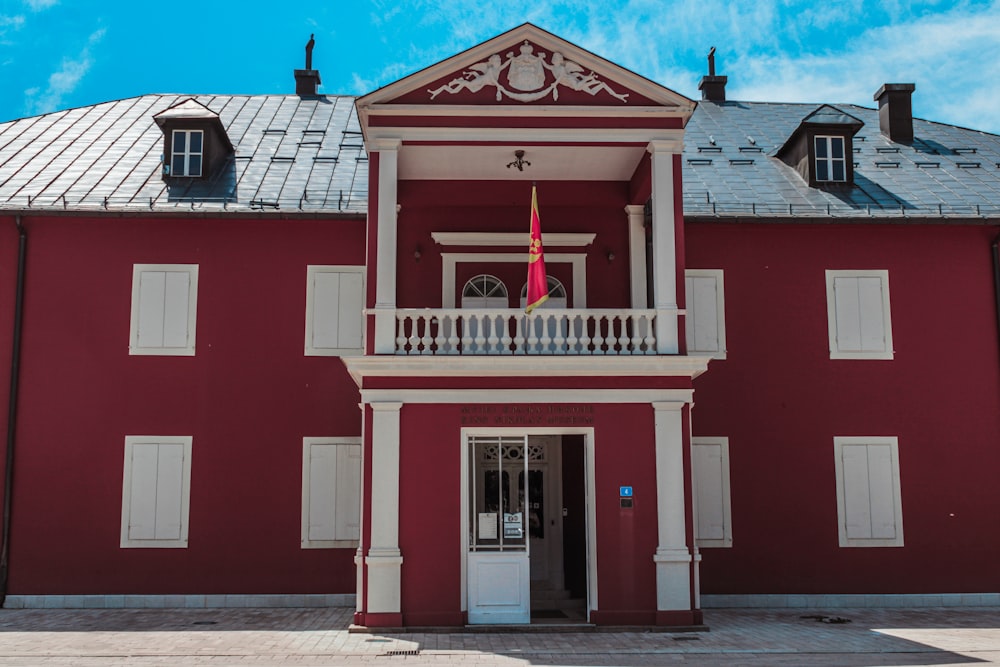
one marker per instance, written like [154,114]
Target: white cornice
[548,42]
[677,397]
[541,135]
[525,366]
[532,111]
[490,239]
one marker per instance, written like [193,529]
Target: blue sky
[56,54]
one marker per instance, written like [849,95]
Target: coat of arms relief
[526,79]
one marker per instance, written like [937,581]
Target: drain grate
[407,652]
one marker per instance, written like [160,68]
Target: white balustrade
[468,331]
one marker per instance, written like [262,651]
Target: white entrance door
[498,560]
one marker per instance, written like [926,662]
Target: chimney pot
[712,87]
[895,111]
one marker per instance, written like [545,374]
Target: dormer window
[819,147]
[196,148]
[830,162]
[186,156]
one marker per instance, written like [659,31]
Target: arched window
[557,294]
[485,291]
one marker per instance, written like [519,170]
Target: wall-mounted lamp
[416,254]
[611,255]
[519,161]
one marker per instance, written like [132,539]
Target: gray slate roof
[292,153]
[730,171]
[306,154]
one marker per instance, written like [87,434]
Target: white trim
[672,557]
[596,396]
[449,260]
[897,507]
[636,215]
[384,559]
[524,111]
[185,491]
[727,518]
[850,600]
[490,239]
[830,160]
[307,444]
[526,366]
[672,138]
[831,314]
[591,493]
[312,350]
[187,153]
[188,601]
[385,251]
[690,313]
[545,41]
[186,350]
[664,247]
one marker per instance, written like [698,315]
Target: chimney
[895,113]
[307,80]
[713,88]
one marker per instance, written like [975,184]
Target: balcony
[547,331]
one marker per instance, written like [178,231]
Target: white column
[384,559]
[672,558]
[637,254]
[385,257]
[664,246]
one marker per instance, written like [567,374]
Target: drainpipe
[996,277]
[15,364]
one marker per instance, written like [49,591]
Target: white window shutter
[848,310]
[351,303]
[322,492]
[142,505]
[707,463]
[348,522]
[152,293]
[326,307]
[175,308]
[702,317]
[872,329]
[883,510]
[169,490]
[857,502]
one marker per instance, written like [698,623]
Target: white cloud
[64,80]
[9,24]
[39,5]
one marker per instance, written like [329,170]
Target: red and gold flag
[538,286]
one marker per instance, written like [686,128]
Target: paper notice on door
[513,525]
[487,525]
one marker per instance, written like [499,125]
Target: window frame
[131,441]
[838,445]
[187,153]
[311,350]
[720,312]
[727,515]
[187,350]
[340,542]
[829,159]
[836,352]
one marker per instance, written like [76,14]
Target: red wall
[505,206]
[430,512]
[781,400]
[248,398]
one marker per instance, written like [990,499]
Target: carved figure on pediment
[572,75]
[527,70]
[527,73]
[477,77]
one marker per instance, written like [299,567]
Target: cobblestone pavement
[312,637]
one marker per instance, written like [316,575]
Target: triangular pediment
[523,67]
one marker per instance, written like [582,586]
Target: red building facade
[766,351]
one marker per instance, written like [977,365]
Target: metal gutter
[996,279]
[15,366]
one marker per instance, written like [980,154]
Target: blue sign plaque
[625,491]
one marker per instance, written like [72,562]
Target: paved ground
[312,637]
